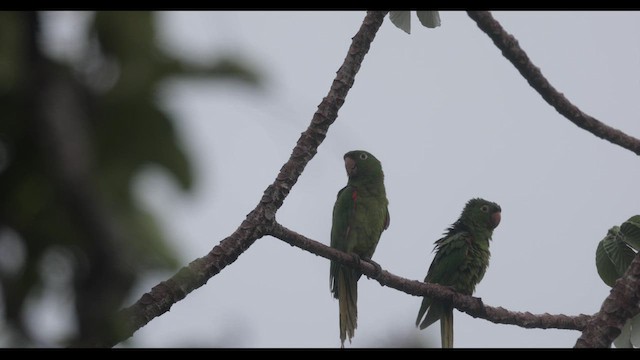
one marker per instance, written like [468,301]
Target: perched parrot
[360,214]
[462,257]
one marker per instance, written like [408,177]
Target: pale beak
[495,219]
[350,165]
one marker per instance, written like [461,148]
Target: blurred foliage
[613,256]
[114,85]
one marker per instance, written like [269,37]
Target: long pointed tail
[446,327]
[345,289]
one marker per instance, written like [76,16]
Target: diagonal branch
[621,305]
[514,53]
[468,304]
[259,221]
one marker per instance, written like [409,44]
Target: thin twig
[518,57]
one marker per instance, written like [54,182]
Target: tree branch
[260,220]
[471,305]
[617,308]
[512,51]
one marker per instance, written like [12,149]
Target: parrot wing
[452,251]
[343,214]
[451,255]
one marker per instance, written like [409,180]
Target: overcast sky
[448,117]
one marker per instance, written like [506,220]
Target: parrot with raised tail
[360,215]
[462,257]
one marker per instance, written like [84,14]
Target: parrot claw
[375,265]
[356,258]
[481,305]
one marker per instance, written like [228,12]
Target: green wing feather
[451,255]
[343,212]
[343,280]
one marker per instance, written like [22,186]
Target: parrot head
[483,212]
[361,165]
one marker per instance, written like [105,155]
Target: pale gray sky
[448,117]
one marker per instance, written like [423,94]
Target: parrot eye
[484,208]
[363,156]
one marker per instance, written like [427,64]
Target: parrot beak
[350,165]
[495,219]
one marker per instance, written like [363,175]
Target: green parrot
[462,257]
[360,214]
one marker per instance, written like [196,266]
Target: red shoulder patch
[354,197]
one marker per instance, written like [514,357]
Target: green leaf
[430,19]
[619,252]
[606,269]
[623,340]
[401,19]
[630,229]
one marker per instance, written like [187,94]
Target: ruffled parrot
[462,257]
[360,214]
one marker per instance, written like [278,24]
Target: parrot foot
[481,305]
[357,259]
[375,265]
